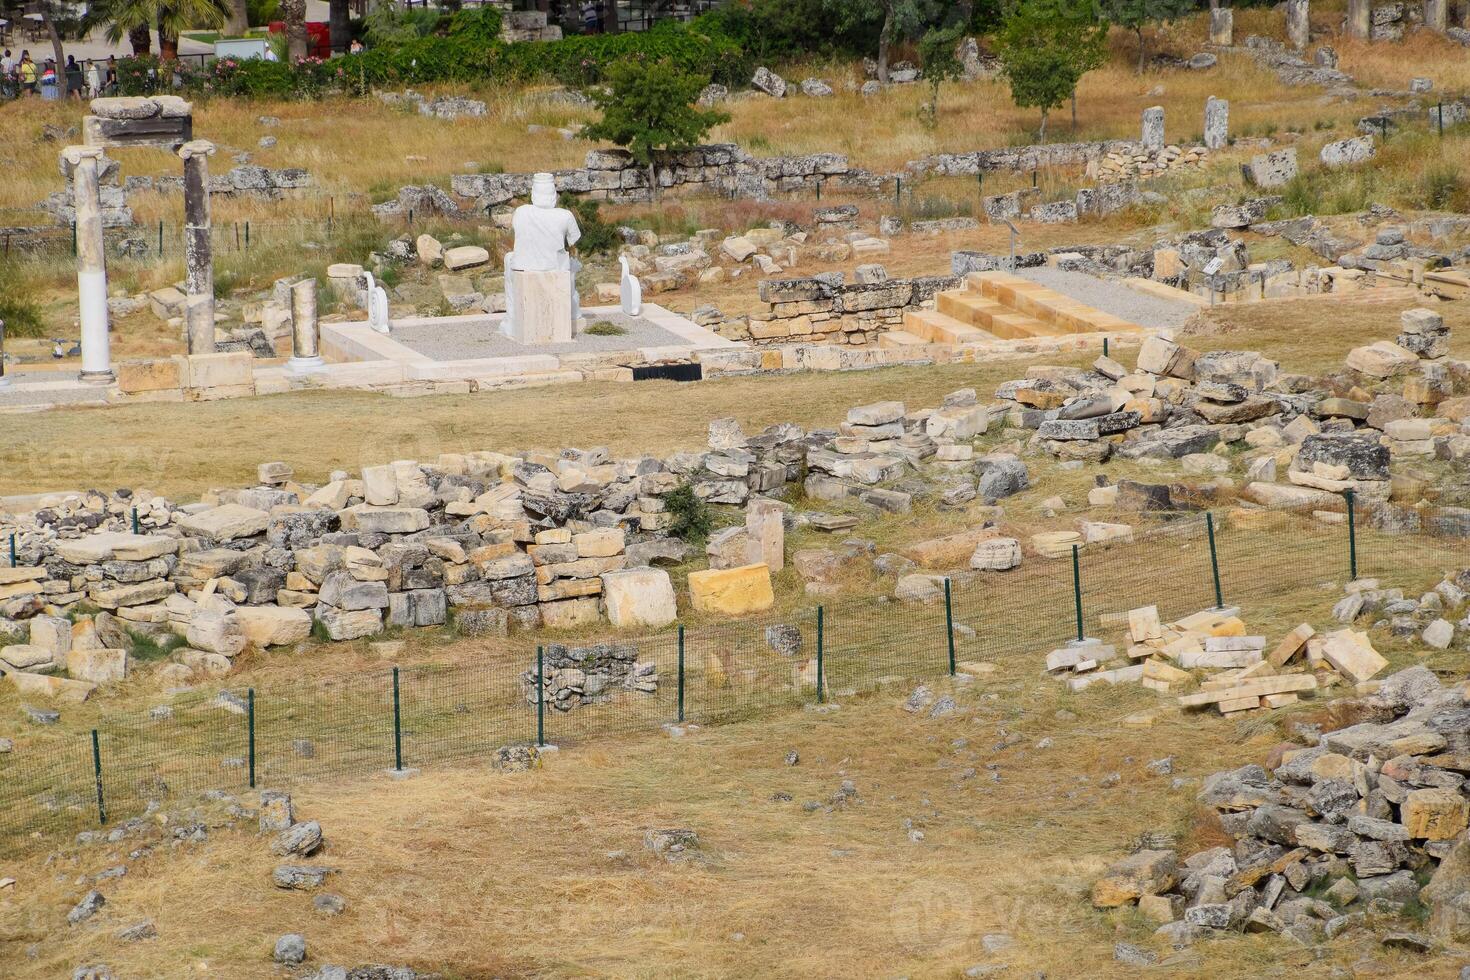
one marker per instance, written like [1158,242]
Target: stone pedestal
[1298,24]
[198,257]
[91,265]
[1222,26]
[305,337]
[1153,128]
[1217,123]
[543,311]
[1359,19]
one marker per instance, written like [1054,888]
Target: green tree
[1135,15]
[1045,47]
[133,18]
[940,57]
[648,108]
[900,19]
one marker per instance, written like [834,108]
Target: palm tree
[133,19]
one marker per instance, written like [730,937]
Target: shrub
[19,308]
[605,328]
[598,236]
[691,517]
[1441,187]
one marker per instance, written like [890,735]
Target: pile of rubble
[1233,670]
[572,676]
[1330,838]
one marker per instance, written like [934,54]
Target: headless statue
[543,233]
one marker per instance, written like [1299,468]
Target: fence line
[1277,563]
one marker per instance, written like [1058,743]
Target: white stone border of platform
[355,347]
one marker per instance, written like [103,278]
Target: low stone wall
[828,309]
[727,170]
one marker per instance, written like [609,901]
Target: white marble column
[91,265]
[1436,15]
[306,355]
[198,256]
[1222,26]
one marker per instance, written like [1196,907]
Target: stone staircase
[999,306]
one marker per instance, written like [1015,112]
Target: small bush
[598,236]
[1442,187]
[1301,197]
[605,328]
[692,520]
[19,308]
[146,648]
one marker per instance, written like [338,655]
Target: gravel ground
[22,390]
[1112,297]
[454,343]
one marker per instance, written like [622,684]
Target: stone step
[996,318]
[890,339]
[1063,313]
[941,328]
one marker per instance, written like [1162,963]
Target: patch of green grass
[19,308]
[605,328]
[146,648]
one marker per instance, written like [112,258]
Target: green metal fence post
[247,236]
[397,726]
[160,238]
[1105,347]
[135,520]
[681,672]
[1352,535]
[1214,559]
[250,715]
[821,644]
[1077,589]
[949,624]
[12,550]
[97,775]
[540,699]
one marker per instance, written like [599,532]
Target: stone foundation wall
[826,309]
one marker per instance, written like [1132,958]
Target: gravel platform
[461,342]
[1112,297]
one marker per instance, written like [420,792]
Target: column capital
[196,148]
[76,154]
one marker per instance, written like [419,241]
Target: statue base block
[543,308]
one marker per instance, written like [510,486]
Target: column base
[96,377]
[305,365]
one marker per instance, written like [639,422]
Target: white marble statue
[630,290]
[543,233]
[377,305]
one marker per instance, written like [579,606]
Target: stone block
[639,598]
[97,666]
[268,626]
[232,369]
[732,591]
[154,374]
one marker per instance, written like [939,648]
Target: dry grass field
[184,449]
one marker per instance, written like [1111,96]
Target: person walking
[94,79]
[49,91]
[109,81]
[28,74]
[73,78]
[7,76]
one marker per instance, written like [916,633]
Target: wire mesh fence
[1277,566]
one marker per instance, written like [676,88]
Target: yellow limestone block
[1232,626]
[732,591]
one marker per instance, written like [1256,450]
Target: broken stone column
[1153,128]
[1217,123]
[91,264]
[198,257]
[1222,26]
[1298,25]
[765,534]
[305,336]
[1436,15]
[1359,18]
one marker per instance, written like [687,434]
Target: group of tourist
[22,77]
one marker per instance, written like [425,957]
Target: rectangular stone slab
[1283,684]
